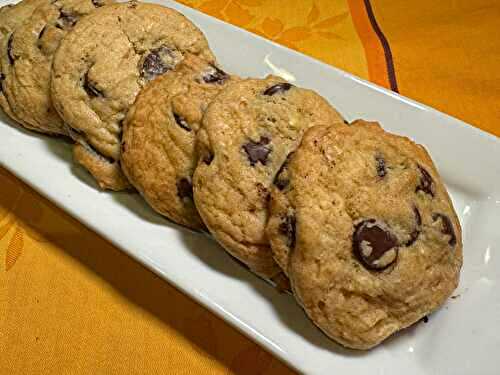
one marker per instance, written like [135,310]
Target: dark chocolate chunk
[181,121]
[447,227]
[215,75]
[90,88]
[281,180]
[346,122]
[184,188]
[426,182]
[9,50]
[156,63]
[425,319]
[381,171]
[258,151]
[374,245]
[416,232]
[98,3]
[287,228]
[278,88]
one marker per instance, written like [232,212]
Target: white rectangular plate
[461,338]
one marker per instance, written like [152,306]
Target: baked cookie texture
[248,131]
[102,64]
[158,148]
[32,48]
[11,17]
[374,243]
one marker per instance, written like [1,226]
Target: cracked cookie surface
[33,44]
[366,231]
[106,59]
[248,131]
[159,133]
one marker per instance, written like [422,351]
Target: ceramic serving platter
[463,337]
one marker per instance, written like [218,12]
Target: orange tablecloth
[72,303]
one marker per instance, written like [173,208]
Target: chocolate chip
[184,188]
[381,171]
[90,88]
[156,62]
[426,182]
[425,319]
[287,228]
[66,20]
[9,50]
[207,159]
[346,122]
[374,245]
[416,232]
[281,180]
[181,121]
[257,151]
[215,75]
[447,227]
[278,88]
[98,3]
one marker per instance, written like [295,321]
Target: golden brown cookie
[374,243]
[32,47]
[159,133]
[102,64]
[11,17]
[248,131]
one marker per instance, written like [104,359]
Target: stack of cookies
[355,218]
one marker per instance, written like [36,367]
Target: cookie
[158,149]
[374,242]
[11,17]
[248,131]
[102,64]
[33,44]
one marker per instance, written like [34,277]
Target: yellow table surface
[70,303]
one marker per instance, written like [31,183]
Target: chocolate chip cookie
[248,131]
[11,17]
[158,149]
[102,64]
[33,44]
[374,243]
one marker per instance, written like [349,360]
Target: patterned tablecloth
[71,303]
